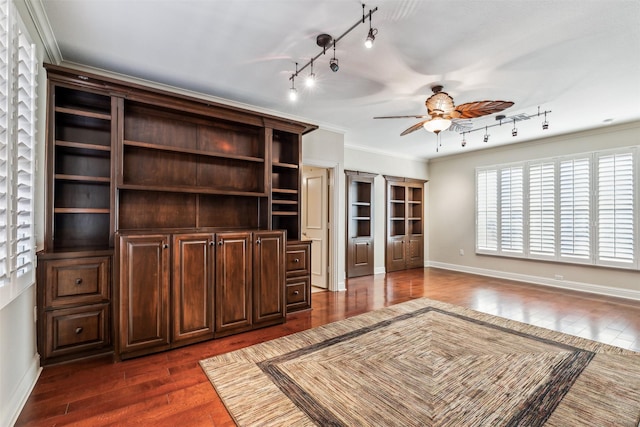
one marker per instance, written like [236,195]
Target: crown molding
[45,32]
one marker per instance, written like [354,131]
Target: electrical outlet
[461,252]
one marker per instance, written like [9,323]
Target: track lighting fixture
[464,141]
[325,41]
[545,124]
[333,63]
[293,93]
[371,36]
[311,78]
[502,119]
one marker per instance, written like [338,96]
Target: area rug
[428,363]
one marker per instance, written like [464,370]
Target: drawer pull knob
[296,292]
[296,260]
[79,281]
[79,330]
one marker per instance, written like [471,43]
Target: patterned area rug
[429,363]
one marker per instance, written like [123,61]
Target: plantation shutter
[542,240]
[575,236]
[487,210]
[511,209]
[4,140]
[615,209]
[22,236]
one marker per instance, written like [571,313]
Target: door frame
[332,199]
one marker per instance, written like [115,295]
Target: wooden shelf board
[284,213]
[284,191]
[160,147]
[82,210]
[82,145]
[361,204]
[285,165]
[83,178]
[191,190]
[83,113]
[361,218]
[283,202]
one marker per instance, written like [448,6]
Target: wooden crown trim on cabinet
[127,159]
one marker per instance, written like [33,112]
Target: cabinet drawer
[77,281]
[298,294]
[74,330]
[297,260]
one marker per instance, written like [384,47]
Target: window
[18,66]
[578,209]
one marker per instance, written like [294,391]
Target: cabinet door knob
[165,246]
[258,242]
[78,330]
[220,243]
[79,281]
[212,243]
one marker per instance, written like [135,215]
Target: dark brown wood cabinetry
[404,237]
[169,175]
[298,271]
[359,223]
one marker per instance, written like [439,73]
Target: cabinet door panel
[269,278]
[192,287]
[233,283]
[144,293]
[396,255]
[414,254]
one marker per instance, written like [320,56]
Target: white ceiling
[578,58]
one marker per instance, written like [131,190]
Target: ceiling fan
[444,115]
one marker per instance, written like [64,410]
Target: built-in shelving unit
[360,240]
[129,160]
[405,210]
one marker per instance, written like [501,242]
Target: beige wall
[452,213]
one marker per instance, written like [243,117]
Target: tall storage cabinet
[405,228]
[161,178]
[359,223]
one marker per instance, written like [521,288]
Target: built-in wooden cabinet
[405,228]
[162,171]
[359,223]
[298,272]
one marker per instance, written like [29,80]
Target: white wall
[325,148]
[19,360]
[452,214]
[383,164]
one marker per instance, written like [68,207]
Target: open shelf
[204,153]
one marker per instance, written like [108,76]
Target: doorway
[317,219]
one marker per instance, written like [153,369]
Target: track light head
[371,37]
[311,80]
[486,138]
[333,64]
[545,125]
[293,94]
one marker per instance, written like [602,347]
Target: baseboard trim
[562,284]
[21,395]
[379,270]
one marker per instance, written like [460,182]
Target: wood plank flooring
[170,389]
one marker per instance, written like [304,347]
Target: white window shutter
[511,210]
[487,210]
[575,220]
[542,240]
[615,209]
[4,140]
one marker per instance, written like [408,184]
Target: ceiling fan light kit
[326,41]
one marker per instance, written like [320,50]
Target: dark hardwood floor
[170,389]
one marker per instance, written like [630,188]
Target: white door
[315,222]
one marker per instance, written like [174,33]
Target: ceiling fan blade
[402,117]
[414,128]
[472,110]
[460,125]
